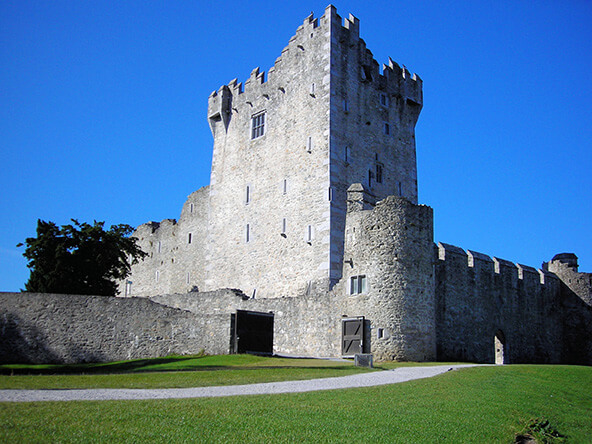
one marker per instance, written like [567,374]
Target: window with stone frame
[358,284]
[258,125]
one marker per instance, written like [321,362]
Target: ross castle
[312,215]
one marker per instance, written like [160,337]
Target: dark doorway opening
[251,332]
[353,337]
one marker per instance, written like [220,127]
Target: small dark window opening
[378,173]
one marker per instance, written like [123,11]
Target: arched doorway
[499,343]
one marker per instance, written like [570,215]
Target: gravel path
[400,374]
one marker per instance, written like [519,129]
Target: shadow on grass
[166,364]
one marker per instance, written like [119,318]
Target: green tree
[80,258]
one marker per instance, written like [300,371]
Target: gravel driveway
[401,374]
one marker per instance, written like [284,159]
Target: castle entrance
[353,337]
[251,332]
[499,343]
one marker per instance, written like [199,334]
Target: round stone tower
[390,250]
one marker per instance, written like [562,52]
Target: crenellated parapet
[483,300]
[238,97]
[398,82]
[508,271]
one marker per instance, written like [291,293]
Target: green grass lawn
[172,372]
[481,405]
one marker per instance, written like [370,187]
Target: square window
[357,285]
[258,125]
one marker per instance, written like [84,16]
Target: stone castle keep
[311,218]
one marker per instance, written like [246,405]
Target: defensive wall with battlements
[312,215]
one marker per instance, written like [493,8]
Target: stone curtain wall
[478,296]
[176,251]
[304,325]
[49,328]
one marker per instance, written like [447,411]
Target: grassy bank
[485,404]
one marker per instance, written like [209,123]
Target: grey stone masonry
[50,328]
[287,146]
[391,247]
[312,214]
[479,297]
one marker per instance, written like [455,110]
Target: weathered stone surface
[40,328]
[312,214]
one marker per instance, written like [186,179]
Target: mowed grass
[480,405]
[172,372]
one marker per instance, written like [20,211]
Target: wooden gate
[352,338]
[251,332]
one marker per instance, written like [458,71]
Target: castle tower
[287,145]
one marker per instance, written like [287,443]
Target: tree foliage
[80,258]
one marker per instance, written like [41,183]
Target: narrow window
[248,233]
[258,125]
[189,238]
[309,144]
[247,195]
[362,284]
[387,129]
[353,285]
[378,173]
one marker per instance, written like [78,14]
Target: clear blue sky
[103,111]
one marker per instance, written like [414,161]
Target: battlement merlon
[473,259]
[397,81]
